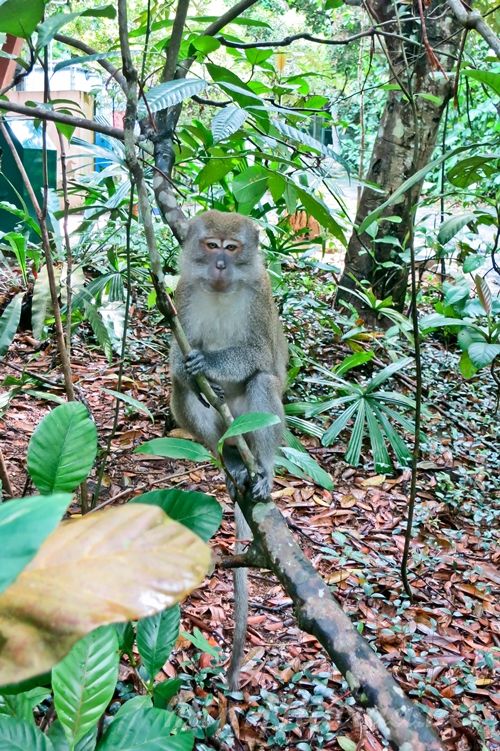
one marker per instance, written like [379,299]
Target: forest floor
[440,648]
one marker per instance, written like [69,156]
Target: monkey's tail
[240,582]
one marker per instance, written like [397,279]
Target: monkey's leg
[204,423]
[263,394]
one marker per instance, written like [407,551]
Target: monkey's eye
[231,247]
[212,245]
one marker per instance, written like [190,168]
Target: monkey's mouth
[220,284]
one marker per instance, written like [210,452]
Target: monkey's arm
[231,365]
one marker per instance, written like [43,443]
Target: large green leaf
[386,373]
[214,170]
[320,211]
[84,682]
[483,353]
[22,705]
[156,637]
[170,93]
[116,565]
[403,454]
[62,449]
[248,422]
[49,28]
[353,452]
[200,513]
[249,186]
[9,322]
[20,18]
[452,225]
[309,466]
[488,77]
[58,738]
[306,140]
[236,88]
[227,121]
[175,448]
[24,524]
[147,729]
[341,421]
[405,186]
[379,450]
[472,169]
[21,735]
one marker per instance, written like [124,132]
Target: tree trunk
[405,141]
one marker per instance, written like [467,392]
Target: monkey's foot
[260,488]
[195,363]
[219,391]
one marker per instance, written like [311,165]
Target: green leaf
[135,403]
[205,44]
[147,729]
[82,59]
[466,366]
[200,513]
[320,211]
[239,91]
[403,454]
[250,185]
[164,691]
[99,329]
[353,361]
[22,705]
[9,322]
[58,738]
[345,743]
[473,169]
[306,140]
[309,466]
[21,735]
[227,121]
[84,682]
[170,93]
[304,426]
[406,185]
[21,19]
[24,524]
[379,451]
[472,262]
[175,448]
[386,373]
[454,224]
[249,422]
[488,77]
[62,449]
[483,353]
[156,637]
[213,171]
[340,422]
[354,449]
[49,28]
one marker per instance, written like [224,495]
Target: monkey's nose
[220,264]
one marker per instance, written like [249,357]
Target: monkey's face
[221,257]
[221,252]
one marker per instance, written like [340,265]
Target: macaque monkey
[225,304]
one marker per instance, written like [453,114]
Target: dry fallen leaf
[119,564]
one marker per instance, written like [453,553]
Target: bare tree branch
[44,113]
[109,67]
[175,40]
[474,20]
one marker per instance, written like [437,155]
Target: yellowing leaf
[119,564]
[373,482]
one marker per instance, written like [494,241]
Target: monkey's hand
[195,363]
